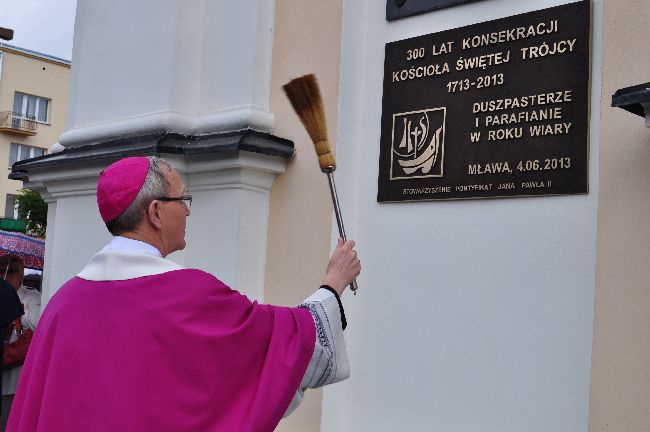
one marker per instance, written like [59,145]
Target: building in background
[33,105]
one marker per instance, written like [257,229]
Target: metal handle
[339,218]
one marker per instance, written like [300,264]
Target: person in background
[136,342]
[12,270]
[10,309]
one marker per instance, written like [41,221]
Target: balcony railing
[17,123]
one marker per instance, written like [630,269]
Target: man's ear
[153,214]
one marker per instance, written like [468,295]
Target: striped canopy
[30,249]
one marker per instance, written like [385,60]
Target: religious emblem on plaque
[418,144]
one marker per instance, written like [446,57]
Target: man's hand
[343,268]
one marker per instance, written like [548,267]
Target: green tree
[33,209]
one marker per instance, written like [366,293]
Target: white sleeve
[329,363]
[32,302]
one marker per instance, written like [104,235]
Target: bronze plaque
[495,109]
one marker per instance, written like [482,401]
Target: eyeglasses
[186,199]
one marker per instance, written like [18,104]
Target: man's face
[175,215]
[13,270]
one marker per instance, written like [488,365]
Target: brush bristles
[304,95]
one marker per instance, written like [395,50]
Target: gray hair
[155,186]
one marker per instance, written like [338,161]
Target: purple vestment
[177,351]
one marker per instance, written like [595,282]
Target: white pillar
[226,232]
[169,65]
[185,80]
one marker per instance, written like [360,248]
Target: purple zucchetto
[119,184]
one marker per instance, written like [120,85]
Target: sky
[46,26]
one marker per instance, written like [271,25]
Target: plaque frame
[398,9]
[539,146]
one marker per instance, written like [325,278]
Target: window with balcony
[31,107]
[18,152]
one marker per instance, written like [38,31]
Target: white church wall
[472,315]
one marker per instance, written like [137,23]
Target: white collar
[124,244]
[124,259]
